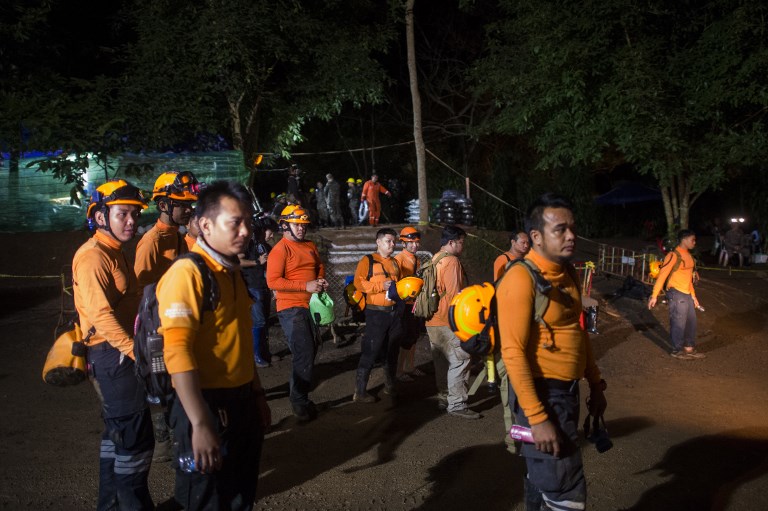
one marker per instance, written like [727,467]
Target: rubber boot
[390,382]
[361,383]
[257,342]
[162,452]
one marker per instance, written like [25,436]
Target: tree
[421,171]
[674,89]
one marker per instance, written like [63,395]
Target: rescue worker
[333,201]
[383,317]
[219,411]
[362,211]
[295,192]
[451,362]
[519,245]
[412,326]
[254,263]
[192,232]
[174,194]
[294,272]
[107,297]
[353,197]
[546,359]
[322,205]
[371,190]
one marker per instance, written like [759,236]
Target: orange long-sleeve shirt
[523,339]
[500,263]
[219,345]
[291,265]
[190,241]
[682,279]
[372,190]
[105,291]
[450,280]
[374,288]
[407,262]
[156,251]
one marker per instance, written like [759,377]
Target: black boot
[361,382]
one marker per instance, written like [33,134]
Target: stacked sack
[454,208]
[412,211]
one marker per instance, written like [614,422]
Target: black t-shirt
[255,276]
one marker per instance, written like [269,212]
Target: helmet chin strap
[289,229]
[169,204]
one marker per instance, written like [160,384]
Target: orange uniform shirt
[156,251]
[383,270]
[500,263]
[291,265]
[372,190]
[450,280]
[407,262]
[523,339]
[219,345]
[190,241]
[682,279]
[105,291]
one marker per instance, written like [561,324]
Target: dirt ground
[688,435]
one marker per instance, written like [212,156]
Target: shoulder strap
[210,288]
[675,266]
[371,260]
[507,256]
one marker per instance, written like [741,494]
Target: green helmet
[321,309]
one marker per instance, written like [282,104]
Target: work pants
[451,366]
[374,210]
[300,336]
[682,319]
[235,416]
[559,482]
[383,330]
[128,442]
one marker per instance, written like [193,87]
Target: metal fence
[622,262]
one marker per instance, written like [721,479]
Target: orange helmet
[115,191]
[294,214]
[409,287]
[409,234]
[470,310]
[355,298]
[654,268]
[176,185]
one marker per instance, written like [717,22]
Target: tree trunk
[237,126]
[421,171]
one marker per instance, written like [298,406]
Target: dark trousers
[412,328]
[300,336]
[559,482]
[128,441]
[682,319]
[383,331]
[235,416]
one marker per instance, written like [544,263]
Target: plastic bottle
[521,434]
[187,463]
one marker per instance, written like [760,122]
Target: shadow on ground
[704,472]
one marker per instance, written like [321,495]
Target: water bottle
[187,463]
[521,434]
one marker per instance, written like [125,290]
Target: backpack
[481,344]
[428,299]
[148,343]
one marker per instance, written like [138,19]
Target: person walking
[546,359]
[294,272]
[107,297]
[371,191]
[406,259]
[353,197]
[676,277]
[519,245]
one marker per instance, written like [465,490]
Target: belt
[552,383]
[381,308]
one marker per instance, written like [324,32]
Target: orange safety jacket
[106,292]
[560,350]
[156,251]
[382,271]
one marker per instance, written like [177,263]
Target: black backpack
[148,344]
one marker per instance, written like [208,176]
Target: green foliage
[675,89]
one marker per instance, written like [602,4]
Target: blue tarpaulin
[628,193]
